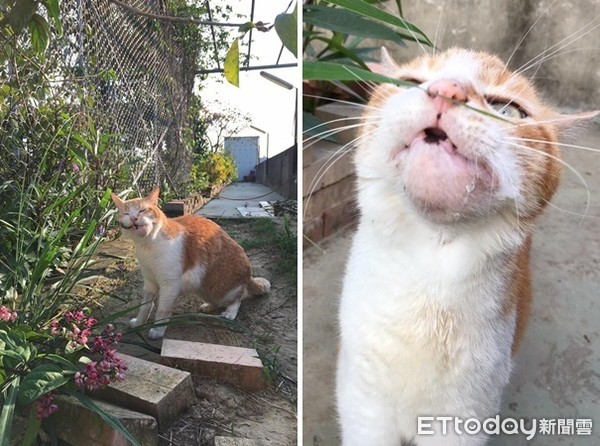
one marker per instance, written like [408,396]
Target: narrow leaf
[375,13]
[348,22]
[8,411]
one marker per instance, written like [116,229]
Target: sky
[270,106]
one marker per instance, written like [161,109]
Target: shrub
[219,168]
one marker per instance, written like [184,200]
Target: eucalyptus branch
[172,19]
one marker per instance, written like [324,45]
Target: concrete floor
[557,372]
[236,195]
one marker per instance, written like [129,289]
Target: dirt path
[268,324]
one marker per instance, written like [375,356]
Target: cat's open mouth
[435,135]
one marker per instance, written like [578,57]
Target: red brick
[153,389]
[78,425]
[234,365]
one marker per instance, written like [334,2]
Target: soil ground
[268,324]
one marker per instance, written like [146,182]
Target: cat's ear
[386,66]
[153,196]
[118,202]
[571,126]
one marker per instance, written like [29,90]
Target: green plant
[218,167]
[334,51]
[271,363]
[66,355]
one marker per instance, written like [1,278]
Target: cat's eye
[509,109]
[143,210]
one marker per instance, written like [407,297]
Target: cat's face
[449,163]
[138,217]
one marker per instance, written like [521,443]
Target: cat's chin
[445,186]
[142,230]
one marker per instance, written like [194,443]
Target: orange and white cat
[437,291]
[188,254]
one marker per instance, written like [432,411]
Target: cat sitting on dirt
[188,254]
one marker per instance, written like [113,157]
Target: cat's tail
[257,286]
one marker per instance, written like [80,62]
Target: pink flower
[55,328]
[45,408]
[6,315]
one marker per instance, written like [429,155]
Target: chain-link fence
[115,73]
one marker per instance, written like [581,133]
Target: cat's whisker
[342,151]
[559,53]
[326,124]
[576,214]
[569,40]
[564,163]
[547,121]
[573,146]
[437,30]
[385,6]
[522,39]
[308,142]
[341,101]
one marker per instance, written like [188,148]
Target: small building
[245,151]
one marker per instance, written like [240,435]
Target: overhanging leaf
[286,26]
[349,22]
[367,10]
[232,64]
[327,71]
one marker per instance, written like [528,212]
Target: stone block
[231,441]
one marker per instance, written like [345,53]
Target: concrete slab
[246,195]
[557,370]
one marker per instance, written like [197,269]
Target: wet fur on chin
[437,287]
[188,254]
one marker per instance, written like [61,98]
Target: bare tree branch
[171,19]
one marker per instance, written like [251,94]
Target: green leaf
[109,419]
[232,64]
[33,427]
[246,27]
[53,8]
[8,411]
[20,14]
[40,33]
[342,51]
[375,13]
[348,22]
[286,26]
[41,380]
[327,71]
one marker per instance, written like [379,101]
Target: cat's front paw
[207,308]
[133,323]
[157,333]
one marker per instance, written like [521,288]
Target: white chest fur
[421,324]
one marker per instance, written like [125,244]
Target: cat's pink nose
[444,89]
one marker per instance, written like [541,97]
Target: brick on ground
[234,365]
[154,389]
[78,425]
